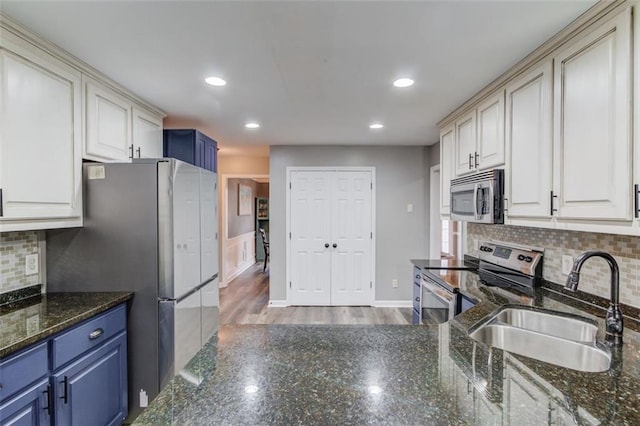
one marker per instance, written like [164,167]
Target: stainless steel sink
[561,339]
[552,323]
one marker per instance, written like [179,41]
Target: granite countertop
[31,320]
[324,374]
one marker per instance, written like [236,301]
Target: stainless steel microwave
[478,197]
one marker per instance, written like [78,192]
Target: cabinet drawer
[86,336]
[19,371]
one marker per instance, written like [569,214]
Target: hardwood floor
[245,301]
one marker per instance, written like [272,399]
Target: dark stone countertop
[31,320]
[392,374]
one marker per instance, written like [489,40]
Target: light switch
[409,208]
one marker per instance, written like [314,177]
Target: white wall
[402,177]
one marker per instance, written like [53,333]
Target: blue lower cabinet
[93,389]
[30,407]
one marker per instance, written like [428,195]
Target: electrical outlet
[394,283]
[32,264]
[476,244]
[567,264]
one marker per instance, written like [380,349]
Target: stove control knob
[520,257]
[483,248]
[489,249]
[528,259]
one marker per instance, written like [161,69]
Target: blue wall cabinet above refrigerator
[191,146]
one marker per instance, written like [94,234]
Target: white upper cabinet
[118,130]
[54,111]
[529,116]
[447,139]
[490,145]
[147,134]
[108,124]
[40,139]
[592,124]
[479,142]
[465,143]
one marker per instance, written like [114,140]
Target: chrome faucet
[613,319]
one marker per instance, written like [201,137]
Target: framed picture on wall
[244,200]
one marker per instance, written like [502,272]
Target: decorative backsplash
[595,275]
[14,246]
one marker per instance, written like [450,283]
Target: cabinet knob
[326,245]
[335,245]
[417,299]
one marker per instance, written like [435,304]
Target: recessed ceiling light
[215,81]
[403,82]
[376,126]
[252,125]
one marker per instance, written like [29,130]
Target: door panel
[310,231]
[529,140]
[147,134]
[39,120]
[331,207]
[592,139]
[208,225]
[28,408]
[104,369]
[187,331]
[186,228]
[351,231]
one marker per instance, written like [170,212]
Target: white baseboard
[392,304]
[240,269]
[278,303]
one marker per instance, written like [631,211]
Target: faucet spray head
[572,281]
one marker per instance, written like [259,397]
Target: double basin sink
[562,339]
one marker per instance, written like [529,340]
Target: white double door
[331,241]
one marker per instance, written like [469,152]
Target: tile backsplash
[14,246]
[595,274]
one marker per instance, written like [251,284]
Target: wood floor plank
[246,301]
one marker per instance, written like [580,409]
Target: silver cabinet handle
[138,151]
[96,333]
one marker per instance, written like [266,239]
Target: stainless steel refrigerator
[149,227]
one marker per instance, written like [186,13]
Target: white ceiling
[309,72]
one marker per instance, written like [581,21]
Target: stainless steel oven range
[442,292]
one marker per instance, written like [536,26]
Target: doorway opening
[240,221]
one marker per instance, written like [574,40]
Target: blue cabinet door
[30,407]
[93,389]
[210,155]
[191,146]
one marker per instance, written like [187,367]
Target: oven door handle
[439,292]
